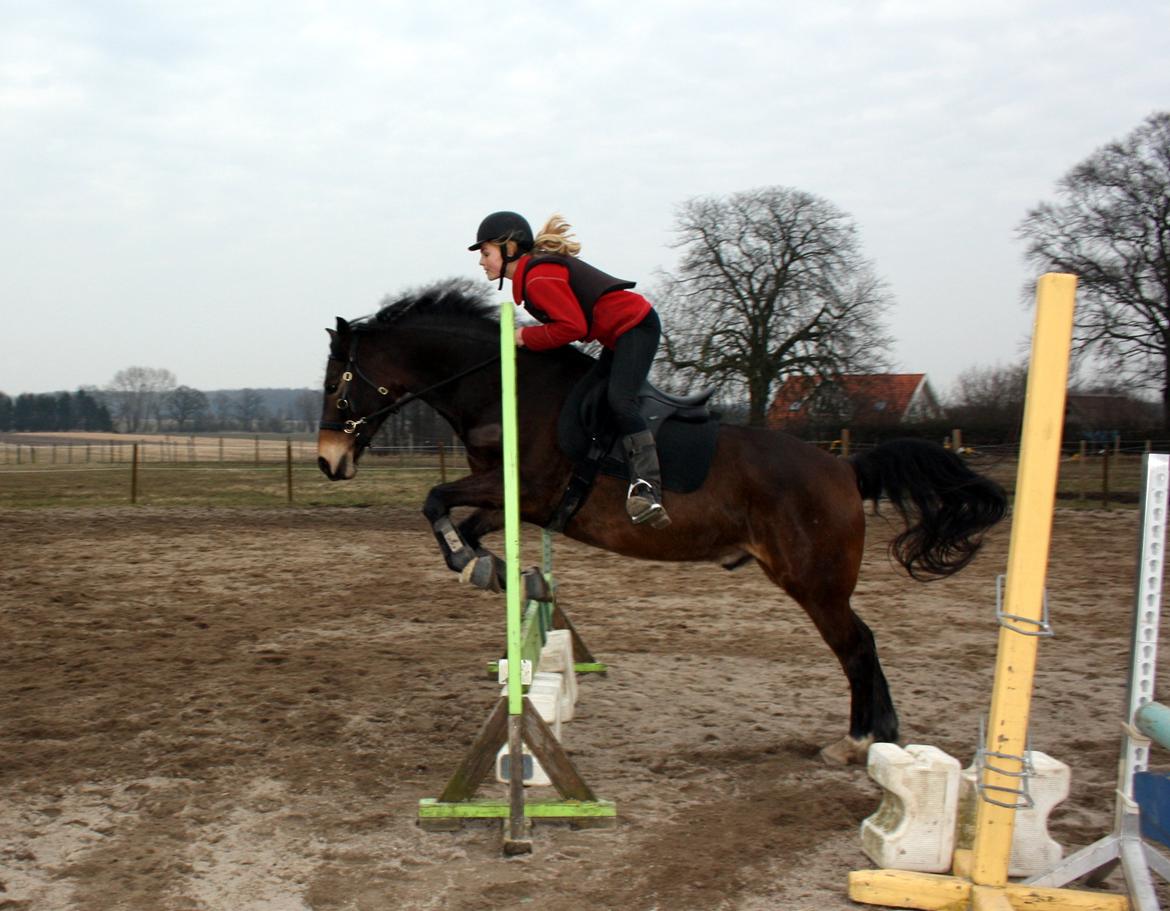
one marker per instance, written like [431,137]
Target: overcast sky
[203,186]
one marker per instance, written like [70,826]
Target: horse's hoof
[847,751]
[535,585]
[481,572]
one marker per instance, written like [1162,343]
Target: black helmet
[501,227]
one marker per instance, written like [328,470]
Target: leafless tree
[1111,227]
[136,393]
[186,406]
[987,396]
[771,283]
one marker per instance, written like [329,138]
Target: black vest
[588,283]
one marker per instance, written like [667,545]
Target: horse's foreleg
[480,523]
[461,546]
[480,490]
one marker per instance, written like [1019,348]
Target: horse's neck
[472,405]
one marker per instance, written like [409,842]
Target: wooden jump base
[514,720]
[979,879]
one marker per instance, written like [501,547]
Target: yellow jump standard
[980,880]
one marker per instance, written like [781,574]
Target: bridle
[352,371]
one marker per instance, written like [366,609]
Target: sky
[202,187]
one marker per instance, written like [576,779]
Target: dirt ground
[238,710]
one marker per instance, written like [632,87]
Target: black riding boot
[644,500]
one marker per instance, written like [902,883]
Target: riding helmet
[501,227]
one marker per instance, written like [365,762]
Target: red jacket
[548,290]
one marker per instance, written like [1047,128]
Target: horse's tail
[947,507]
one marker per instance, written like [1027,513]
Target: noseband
[352,371]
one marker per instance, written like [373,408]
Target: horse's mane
[457,306]
[454,300]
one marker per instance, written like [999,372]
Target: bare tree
[771,283]
[1111,227]
[185,405]
[990,396]
[136,394]
[248,408]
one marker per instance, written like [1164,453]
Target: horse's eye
[330,388]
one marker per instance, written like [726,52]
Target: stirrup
[642,505]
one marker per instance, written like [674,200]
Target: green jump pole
[516,840]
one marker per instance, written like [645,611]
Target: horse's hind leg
[871,714]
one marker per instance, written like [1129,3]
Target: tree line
[80,410]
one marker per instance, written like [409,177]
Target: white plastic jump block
[1033,850]
[557,657]
[914,827]
[545,696]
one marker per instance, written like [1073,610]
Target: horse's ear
[342,325]
[332,335]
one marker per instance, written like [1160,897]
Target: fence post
[256,448]
[845,442]
[1105,478]
[442,464]
[1083,475]
[288,467]
[957,441]
[134,474]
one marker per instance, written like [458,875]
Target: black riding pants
[624,369]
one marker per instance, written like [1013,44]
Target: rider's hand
[520,338]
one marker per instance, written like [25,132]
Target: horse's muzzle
[336,457]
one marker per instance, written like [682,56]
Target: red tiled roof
[889,394]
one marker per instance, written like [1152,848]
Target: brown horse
[769,497]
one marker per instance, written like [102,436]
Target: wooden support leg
[480,758]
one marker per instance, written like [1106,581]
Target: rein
[352,369]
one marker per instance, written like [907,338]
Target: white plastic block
[914,827]
[545,696]
[536,777]
[1034,851]
[557,656]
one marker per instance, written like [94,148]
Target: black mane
[454,299]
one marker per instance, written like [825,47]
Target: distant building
[860,400]
[1104,411]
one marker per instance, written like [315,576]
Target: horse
[769,498]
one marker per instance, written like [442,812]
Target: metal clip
[1043,627]
[382,390]
[352,426]
[347,376]
[1023,797]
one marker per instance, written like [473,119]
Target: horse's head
[360,393]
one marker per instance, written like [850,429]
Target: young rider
[577,302]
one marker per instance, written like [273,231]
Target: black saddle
[684,429]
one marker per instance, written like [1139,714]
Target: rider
[577,302]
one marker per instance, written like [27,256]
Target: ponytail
[555,237]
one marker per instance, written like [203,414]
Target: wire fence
[264,470]
[216,471]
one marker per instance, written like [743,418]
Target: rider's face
[491,260]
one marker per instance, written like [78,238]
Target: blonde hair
[555,237]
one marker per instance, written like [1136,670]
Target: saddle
[684,429]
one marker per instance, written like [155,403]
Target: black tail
[947,506]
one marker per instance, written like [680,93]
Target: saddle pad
[685,448]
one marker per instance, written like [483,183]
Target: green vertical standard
[511,505]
